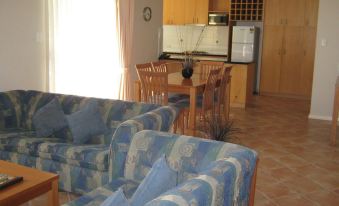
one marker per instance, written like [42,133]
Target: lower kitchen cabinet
[242,84]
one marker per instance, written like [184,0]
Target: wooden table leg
[193,109]
[53,195]
[335,117]
[137,91]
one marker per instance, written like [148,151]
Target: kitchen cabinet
[271,59]
[292,55]
[196,11]
[242,83]
[219,5]
[284,12]
[173,12]
[178,12]
[288,48]
[311,13]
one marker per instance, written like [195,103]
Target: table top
[178,80]
[33,178]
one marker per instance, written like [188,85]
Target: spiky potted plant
[217,128]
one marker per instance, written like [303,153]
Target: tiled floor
[297,166]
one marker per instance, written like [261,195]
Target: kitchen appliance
[218,18]
[245,41]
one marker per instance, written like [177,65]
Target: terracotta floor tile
[275,190]
[325,198]
[327,181]
[294,200]
[284,174]
[303,185]
[293,161]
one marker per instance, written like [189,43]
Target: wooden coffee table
[34,184]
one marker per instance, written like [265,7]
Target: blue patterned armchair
[84,167]
[210,173]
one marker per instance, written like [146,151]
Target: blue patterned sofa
[81,168]
[210,173]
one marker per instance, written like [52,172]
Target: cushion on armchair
[158,180]
[49,119]
[118,198]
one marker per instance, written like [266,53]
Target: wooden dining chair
[223,101]
[206,66]
[206,105]
[159,66]
[154,86]
[144,67]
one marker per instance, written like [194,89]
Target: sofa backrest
[187,155]
[113,111]
[11,109]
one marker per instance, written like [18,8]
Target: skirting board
[318,117]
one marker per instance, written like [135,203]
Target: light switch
[323,42]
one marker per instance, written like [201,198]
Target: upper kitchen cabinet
[311,13]
[273,12]
[285,12]
[219,5]
[173,12]
[196,11]
[178,12]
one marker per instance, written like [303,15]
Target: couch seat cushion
[23,142]
[88,156]
[99,195]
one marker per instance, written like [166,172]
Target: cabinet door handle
[286,21]
[281,21]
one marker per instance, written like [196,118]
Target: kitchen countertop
[201,57]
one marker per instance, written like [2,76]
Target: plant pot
[187,71]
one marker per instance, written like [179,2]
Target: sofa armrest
[218,184]
[160,119]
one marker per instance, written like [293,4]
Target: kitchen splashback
[209,39]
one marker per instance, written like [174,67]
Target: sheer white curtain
[83,48]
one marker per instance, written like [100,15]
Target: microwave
[218,18]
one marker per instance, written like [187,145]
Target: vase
[187,70]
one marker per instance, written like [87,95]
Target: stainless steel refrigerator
[245,41]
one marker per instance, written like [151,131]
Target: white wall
[326,66]
[145,41]
[22,53]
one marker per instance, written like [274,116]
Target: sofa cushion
[23,142]
[11,109]
[49,118]
[97,196]
[88,156]
[86,123]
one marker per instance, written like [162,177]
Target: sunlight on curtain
[83,48]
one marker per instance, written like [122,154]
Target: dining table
[192,87]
